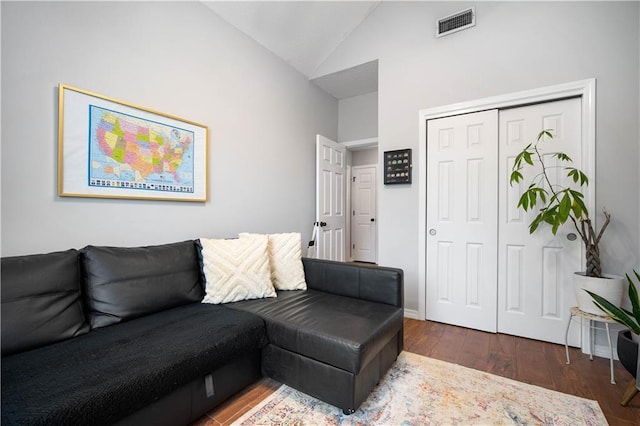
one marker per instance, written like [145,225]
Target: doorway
[336,209]
[363,214]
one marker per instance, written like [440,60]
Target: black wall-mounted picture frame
[397,166]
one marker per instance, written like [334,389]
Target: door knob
[373,220]
[432,232]
[571,236]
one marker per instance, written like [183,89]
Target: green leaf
[535,223]
[527,157]
[576,194]
[563,157]
[543,195]
[517,161]
[576,208]
[535,193]
[564,209]
[550,214]
[532,197]
[573,174]
[615,312]
[544,133]
[577,175]
[516,177]
[584,180]
[633,296]
[524,201]
[579,209]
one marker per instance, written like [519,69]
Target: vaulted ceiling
[304,34]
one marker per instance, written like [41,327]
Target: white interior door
[462,181]
[535,274]
[330,212]
[363,214]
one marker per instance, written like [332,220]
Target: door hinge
[354,213]
[354,246]
[353,179]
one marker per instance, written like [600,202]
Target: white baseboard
[411,313]
[599,350]
[602,351]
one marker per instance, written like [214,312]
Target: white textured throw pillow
[236,269]
[285,256]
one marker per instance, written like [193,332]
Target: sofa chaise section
[333,347]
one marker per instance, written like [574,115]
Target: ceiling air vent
[456,22]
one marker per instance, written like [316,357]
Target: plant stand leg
[631,391]
[613,380]
[566,338]
[592,333]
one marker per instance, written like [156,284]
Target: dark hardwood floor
[530,361]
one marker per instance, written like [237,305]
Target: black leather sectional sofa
[113,335]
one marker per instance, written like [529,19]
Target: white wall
[358,117]
[178,58]
[364,157]
[513,47]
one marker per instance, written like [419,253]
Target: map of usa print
[131,152]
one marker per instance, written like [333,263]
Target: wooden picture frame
[113,149]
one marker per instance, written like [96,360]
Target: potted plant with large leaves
[626,317]
[627,341]
[559,204]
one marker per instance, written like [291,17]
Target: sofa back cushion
[123,283]
[41,301]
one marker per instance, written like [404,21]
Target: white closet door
[462,181]
[535,271]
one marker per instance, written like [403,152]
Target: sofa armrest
[367,282]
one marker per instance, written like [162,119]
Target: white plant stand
[575,312]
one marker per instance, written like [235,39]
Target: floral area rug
[422,391]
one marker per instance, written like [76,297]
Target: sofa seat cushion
[340,331]
[102,376]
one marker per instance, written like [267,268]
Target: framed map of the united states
[112,149]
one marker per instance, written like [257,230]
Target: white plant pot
[611,287]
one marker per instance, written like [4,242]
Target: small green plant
[630,319]
[559,203]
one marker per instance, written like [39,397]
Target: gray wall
[514,46]
[358,117]
[178,58]
[364,157]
